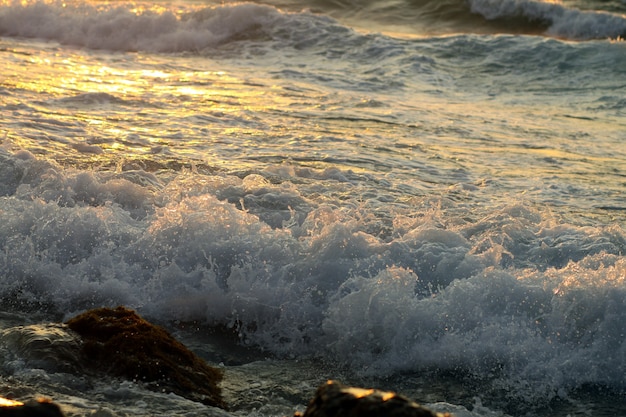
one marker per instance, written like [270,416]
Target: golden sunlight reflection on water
[127,104]
[100,108]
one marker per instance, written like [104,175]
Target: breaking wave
[126,28]
[535,304]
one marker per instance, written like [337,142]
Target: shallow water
[425,197]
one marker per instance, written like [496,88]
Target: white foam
[532,302]
[537,334]
[124,29]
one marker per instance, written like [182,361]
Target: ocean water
[417,195]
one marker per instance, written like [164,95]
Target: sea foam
[122,29]
[534,303]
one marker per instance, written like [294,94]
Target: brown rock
[121,343]
[336,400]
[40,408]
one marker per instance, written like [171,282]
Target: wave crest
[123,29]
[560,20]
[193,29]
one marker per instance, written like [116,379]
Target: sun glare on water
[108,105]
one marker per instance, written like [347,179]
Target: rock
[51,347]
[336,400]
[121,343]
[40,408]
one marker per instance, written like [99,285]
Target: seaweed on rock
[334,399]
[121,343]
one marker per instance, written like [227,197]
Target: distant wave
[561,20]
[122,28]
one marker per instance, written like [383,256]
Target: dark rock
[121,343]
[336,400]
[41,408]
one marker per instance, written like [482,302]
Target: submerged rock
[50,346]
[336,400]
[119,342]
[40,408]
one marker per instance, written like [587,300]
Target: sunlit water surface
[436,212]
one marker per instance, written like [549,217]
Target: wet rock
[41,408]
[45,346]
[336,400]
[119,342]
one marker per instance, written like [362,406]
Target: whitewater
[420,196]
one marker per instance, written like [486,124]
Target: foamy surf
[441,216]
[321,282]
